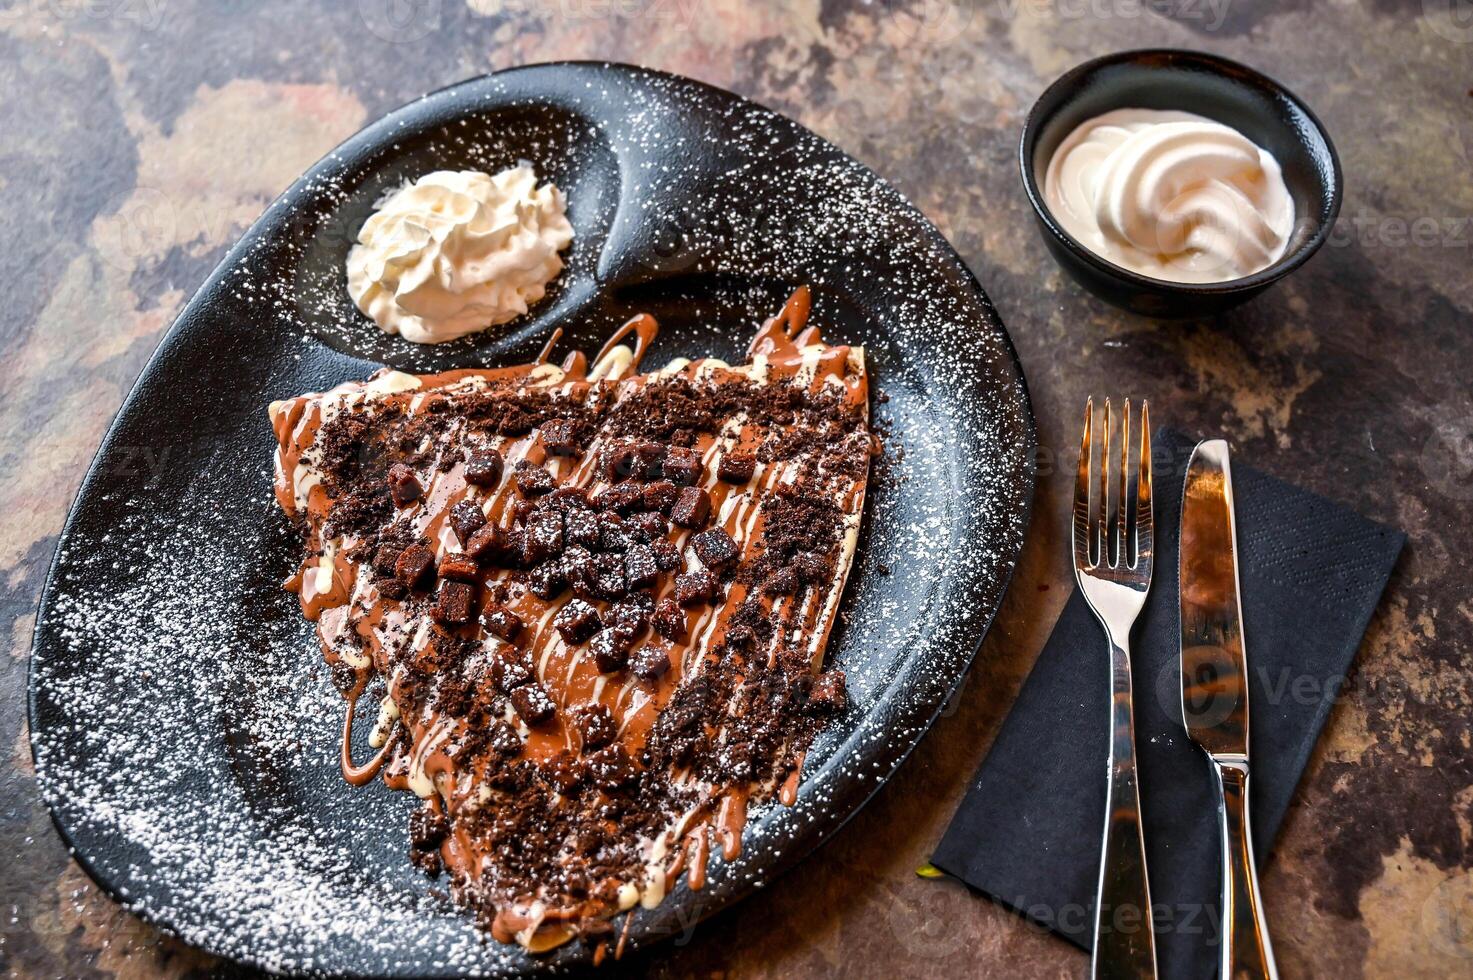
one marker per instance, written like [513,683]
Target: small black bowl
[1222,90]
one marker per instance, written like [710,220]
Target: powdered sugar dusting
[185,728]
[272,881]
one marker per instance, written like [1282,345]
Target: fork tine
[1106,524]
[1144,519]
[1081,492]
[1122,502]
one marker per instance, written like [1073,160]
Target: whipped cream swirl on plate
[1171,195]
[455,252]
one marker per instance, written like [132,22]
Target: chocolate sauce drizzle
[727,721]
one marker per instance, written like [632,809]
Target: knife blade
[1214,669]
[1214,696]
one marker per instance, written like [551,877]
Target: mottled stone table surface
[138,138]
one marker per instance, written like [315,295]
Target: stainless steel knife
[1214,696]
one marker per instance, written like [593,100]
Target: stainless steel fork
[1113,546]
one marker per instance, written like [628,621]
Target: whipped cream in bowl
[1177,183]
[457,252]
[1171,195]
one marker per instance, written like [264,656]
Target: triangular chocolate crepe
[589,605]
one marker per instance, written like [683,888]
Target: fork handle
[1124,943]
[1247,952]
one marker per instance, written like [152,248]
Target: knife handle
[1247,952]
[1124,940]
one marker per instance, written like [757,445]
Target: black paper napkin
[1028,832]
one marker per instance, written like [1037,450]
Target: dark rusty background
[138,138]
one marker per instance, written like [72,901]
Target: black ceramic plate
[183,725]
